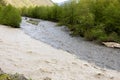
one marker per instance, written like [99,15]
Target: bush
[94,34]
[93,19]
[10,16]
[113,37]
[112,17]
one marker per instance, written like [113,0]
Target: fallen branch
[111,44]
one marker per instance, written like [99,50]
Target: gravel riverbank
[59,38]
[21,54]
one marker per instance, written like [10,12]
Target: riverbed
[58,37]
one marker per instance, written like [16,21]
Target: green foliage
[112,17]
[12,77]
[113,37]
[24,11]
[68,13]
[4,77]
[10,16]
[93,19]
[42,12]
[93,34]
[0,8]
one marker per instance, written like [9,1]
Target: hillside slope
[21,3]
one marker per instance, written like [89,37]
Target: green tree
[10,16]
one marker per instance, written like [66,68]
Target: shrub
[112,17]
[94,34]
[10,16]
[24,11]
[113,37]
[93,19]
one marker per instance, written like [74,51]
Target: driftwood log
[111,44]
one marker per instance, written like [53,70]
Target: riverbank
[59,38]
[21,54]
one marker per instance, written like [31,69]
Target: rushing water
[59,37]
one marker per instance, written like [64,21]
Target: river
[59,38]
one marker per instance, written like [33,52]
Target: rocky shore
[58,37]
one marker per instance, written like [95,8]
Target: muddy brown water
[59,38]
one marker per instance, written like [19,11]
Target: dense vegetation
[97,20]
[10,16]
[93,19]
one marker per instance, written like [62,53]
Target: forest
[95,20]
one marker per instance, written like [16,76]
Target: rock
[99,75]
[111,44]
